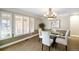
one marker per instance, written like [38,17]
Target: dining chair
[63,39]
[40,34]
[46,39]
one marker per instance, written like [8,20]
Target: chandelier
[50,14]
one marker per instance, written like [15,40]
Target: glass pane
[18,25]
[26,25]
[0,28]
[5,26]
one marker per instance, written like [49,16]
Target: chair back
[40,33]
[45,38]
[63,40]
[67,34]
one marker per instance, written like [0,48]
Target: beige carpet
[32,44]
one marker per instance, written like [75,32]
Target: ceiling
[41,11]
[59,11]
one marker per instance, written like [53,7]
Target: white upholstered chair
[40,34]
[46,39]
[63,39]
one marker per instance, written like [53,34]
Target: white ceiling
[42,11]
[59,11]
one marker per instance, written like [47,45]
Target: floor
[74,44]
[32,44]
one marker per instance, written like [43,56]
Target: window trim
[10,26]
[13,23]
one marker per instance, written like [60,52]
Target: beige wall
[74,25]
[37,22]
[47,23]
[64,22]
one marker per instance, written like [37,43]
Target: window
[18,25]
[5,25]
[31,24]
[26,25]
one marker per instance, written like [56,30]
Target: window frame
[26,25]
[12,27]
[10,23]
[15,24]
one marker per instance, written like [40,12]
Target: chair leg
[39,39]
[66,48]
[55,45]
[42,47]
[49,48]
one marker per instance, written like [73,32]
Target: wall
[74,28]
[37,22]
[47,23]
[74,25]
[64,22]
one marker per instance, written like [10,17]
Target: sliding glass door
[5,25]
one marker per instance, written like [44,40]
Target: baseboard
[6,45]
[74,35]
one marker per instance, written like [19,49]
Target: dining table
[54,35]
